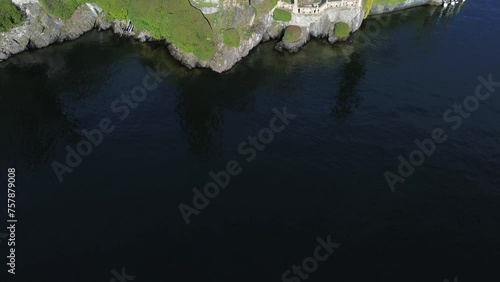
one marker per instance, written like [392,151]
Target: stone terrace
[318,7]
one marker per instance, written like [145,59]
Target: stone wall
[382,9]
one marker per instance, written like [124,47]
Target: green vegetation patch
[282,15]
[292,33]
[341,30]
[10,16]
[264,7]
[231,37]
[60,8]
[367,6]
[387,2]
[174,20]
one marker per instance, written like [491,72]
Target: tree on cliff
[9,15]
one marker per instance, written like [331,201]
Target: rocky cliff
[41,29]
[263,27]
[320,25]
[251,25]
[230,15]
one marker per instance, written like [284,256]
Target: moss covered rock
[292,34]
[294,38]
[341,30]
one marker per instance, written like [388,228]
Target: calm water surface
[358,108]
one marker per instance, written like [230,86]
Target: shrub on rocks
[341,30]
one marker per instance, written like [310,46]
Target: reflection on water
[348,98]
[451,11]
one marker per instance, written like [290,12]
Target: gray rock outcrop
[294,46]
[40,29]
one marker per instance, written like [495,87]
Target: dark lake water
[358,107]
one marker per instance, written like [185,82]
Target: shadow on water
[352,72]
[348,99]
[34,119]
[203,98]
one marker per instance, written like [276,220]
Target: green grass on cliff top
[174,20]
[367,6]
[282,15]
[232,37]
[9,15]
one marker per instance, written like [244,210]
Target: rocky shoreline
[41,30]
